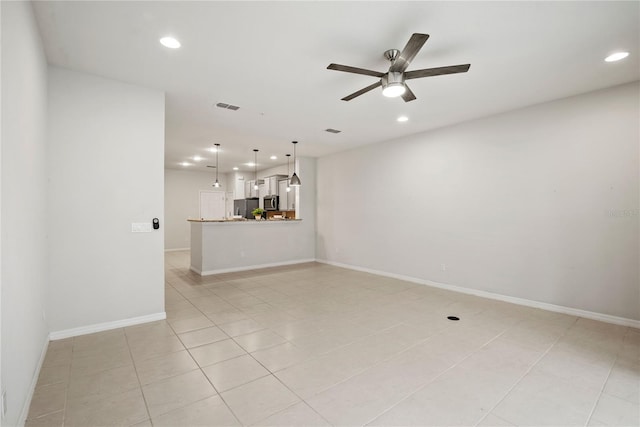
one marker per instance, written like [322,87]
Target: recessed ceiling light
[250,164]
[617,56]
[235,168]
[185,164]
[197,158]
[212,149]
[402,119]
[274,157]
[170,42]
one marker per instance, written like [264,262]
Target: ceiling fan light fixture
[394,90]
[393,85]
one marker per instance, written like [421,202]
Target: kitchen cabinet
[238,191]
[265,189]
[261,193]
[271,185]
[286,200]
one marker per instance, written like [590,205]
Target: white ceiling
[270,59]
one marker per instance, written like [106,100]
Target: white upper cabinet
[238,190]
[271,183]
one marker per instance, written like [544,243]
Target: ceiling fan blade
[409,52]
[355,70]
[428,72]
[361,91]
[408,94]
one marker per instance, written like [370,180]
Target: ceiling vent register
[227,106]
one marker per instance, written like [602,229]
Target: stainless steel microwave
[271,203]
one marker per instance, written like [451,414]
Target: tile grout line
[517,381]
[340,382]
[515,384]
[434,378]
[270,374]
[200,368]
[135,369]
[604,384]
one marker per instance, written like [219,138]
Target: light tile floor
[314,345]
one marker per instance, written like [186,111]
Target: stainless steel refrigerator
[243,207]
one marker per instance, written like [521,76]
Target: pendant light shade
[294,181]
[288,187]
[217,183]
[255,168]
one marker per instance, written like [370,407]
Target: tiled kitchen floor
[319,345]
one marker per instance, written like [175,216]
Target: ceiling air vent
[227,106]
[332,130]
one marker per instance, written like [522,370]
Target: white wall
[106,157]
[182,201]
[24,219]
[530,203]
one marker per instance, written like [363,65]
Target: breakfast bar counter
[220,246]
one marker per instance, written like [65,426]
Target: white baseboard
[99,327]
[177,250]
[249,267]
[607,318]
[34,381]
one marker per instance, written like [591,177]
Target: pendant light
[288,187]
[294,181]
[217,183]
[255,168]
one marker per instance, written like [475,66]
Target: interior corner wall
[23,217]
[106,161]
[539,203]
[182,200]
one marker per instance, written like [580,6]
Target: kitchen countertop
[244,220]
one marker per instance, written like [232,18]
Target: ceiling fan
[393,81]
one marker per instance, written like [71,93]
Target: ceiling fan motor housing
[392,79]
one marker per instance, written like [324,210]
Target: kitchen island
[220,246]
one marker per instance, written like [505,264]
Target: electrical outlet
[443,267]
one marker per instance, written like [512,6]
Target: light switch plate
[141,227]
